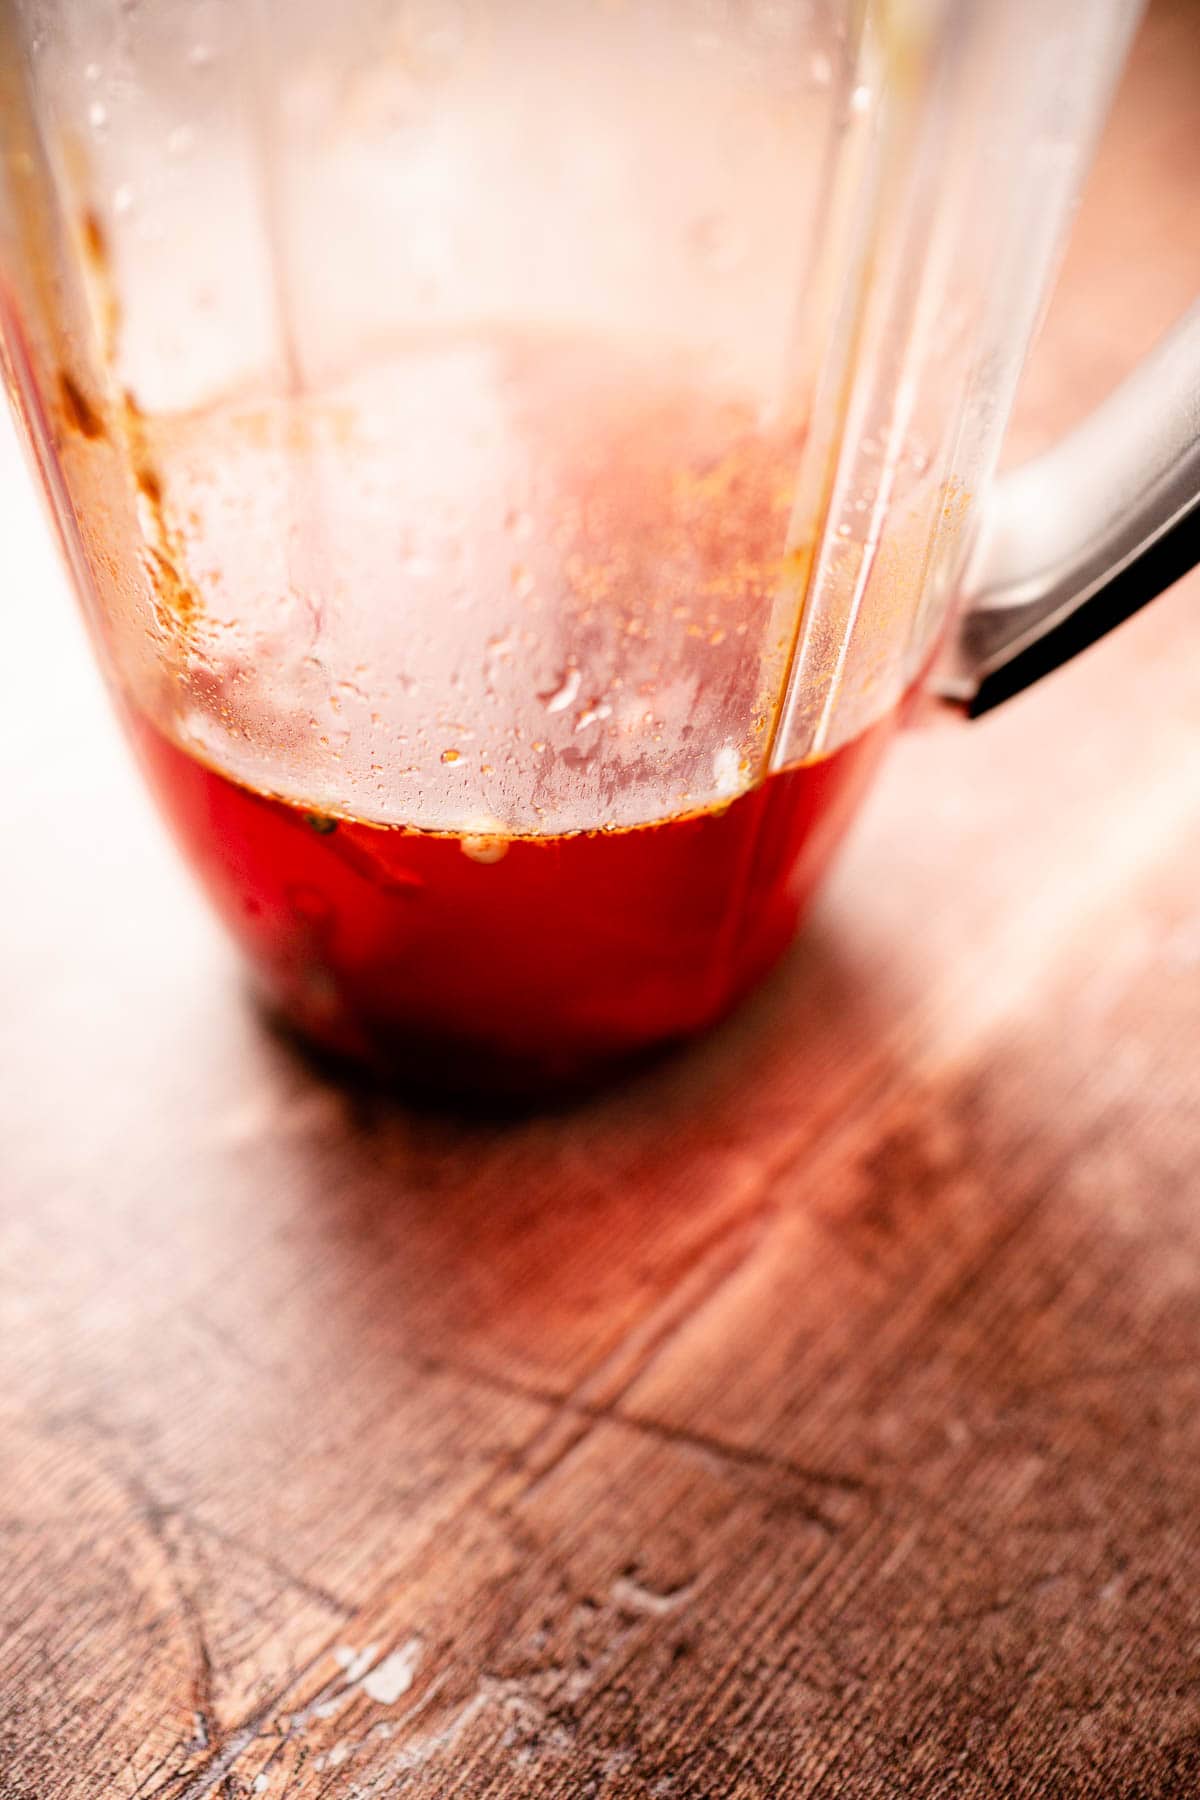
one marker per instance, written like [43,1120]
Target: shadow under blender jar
[518,460]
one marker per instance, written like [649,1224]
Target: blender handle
[1077,539]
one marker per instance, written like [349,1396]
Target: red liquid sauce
[509,963]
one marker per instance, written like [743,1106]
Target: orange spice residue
[164,559]
[76,408]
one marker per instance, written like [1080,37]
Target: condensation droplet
[499,648]
[593,715]
[860,98]
[122,200]
[727,769]
[97,115]
[564,695]
[451,756]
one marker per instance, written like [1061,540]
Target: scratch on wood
[241,1740]
[715,1262]
[312,1590]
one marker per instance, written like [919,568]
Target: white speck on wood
[637,1597]
[394,1675]
[357,1668]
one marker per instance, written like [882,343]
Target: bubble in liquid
[483,847]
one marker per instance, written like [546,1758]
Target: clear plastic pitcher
[519,459]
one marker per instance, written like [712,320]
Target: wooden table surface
[818,1414]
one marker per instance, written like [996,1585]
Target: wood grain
[818,1414]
